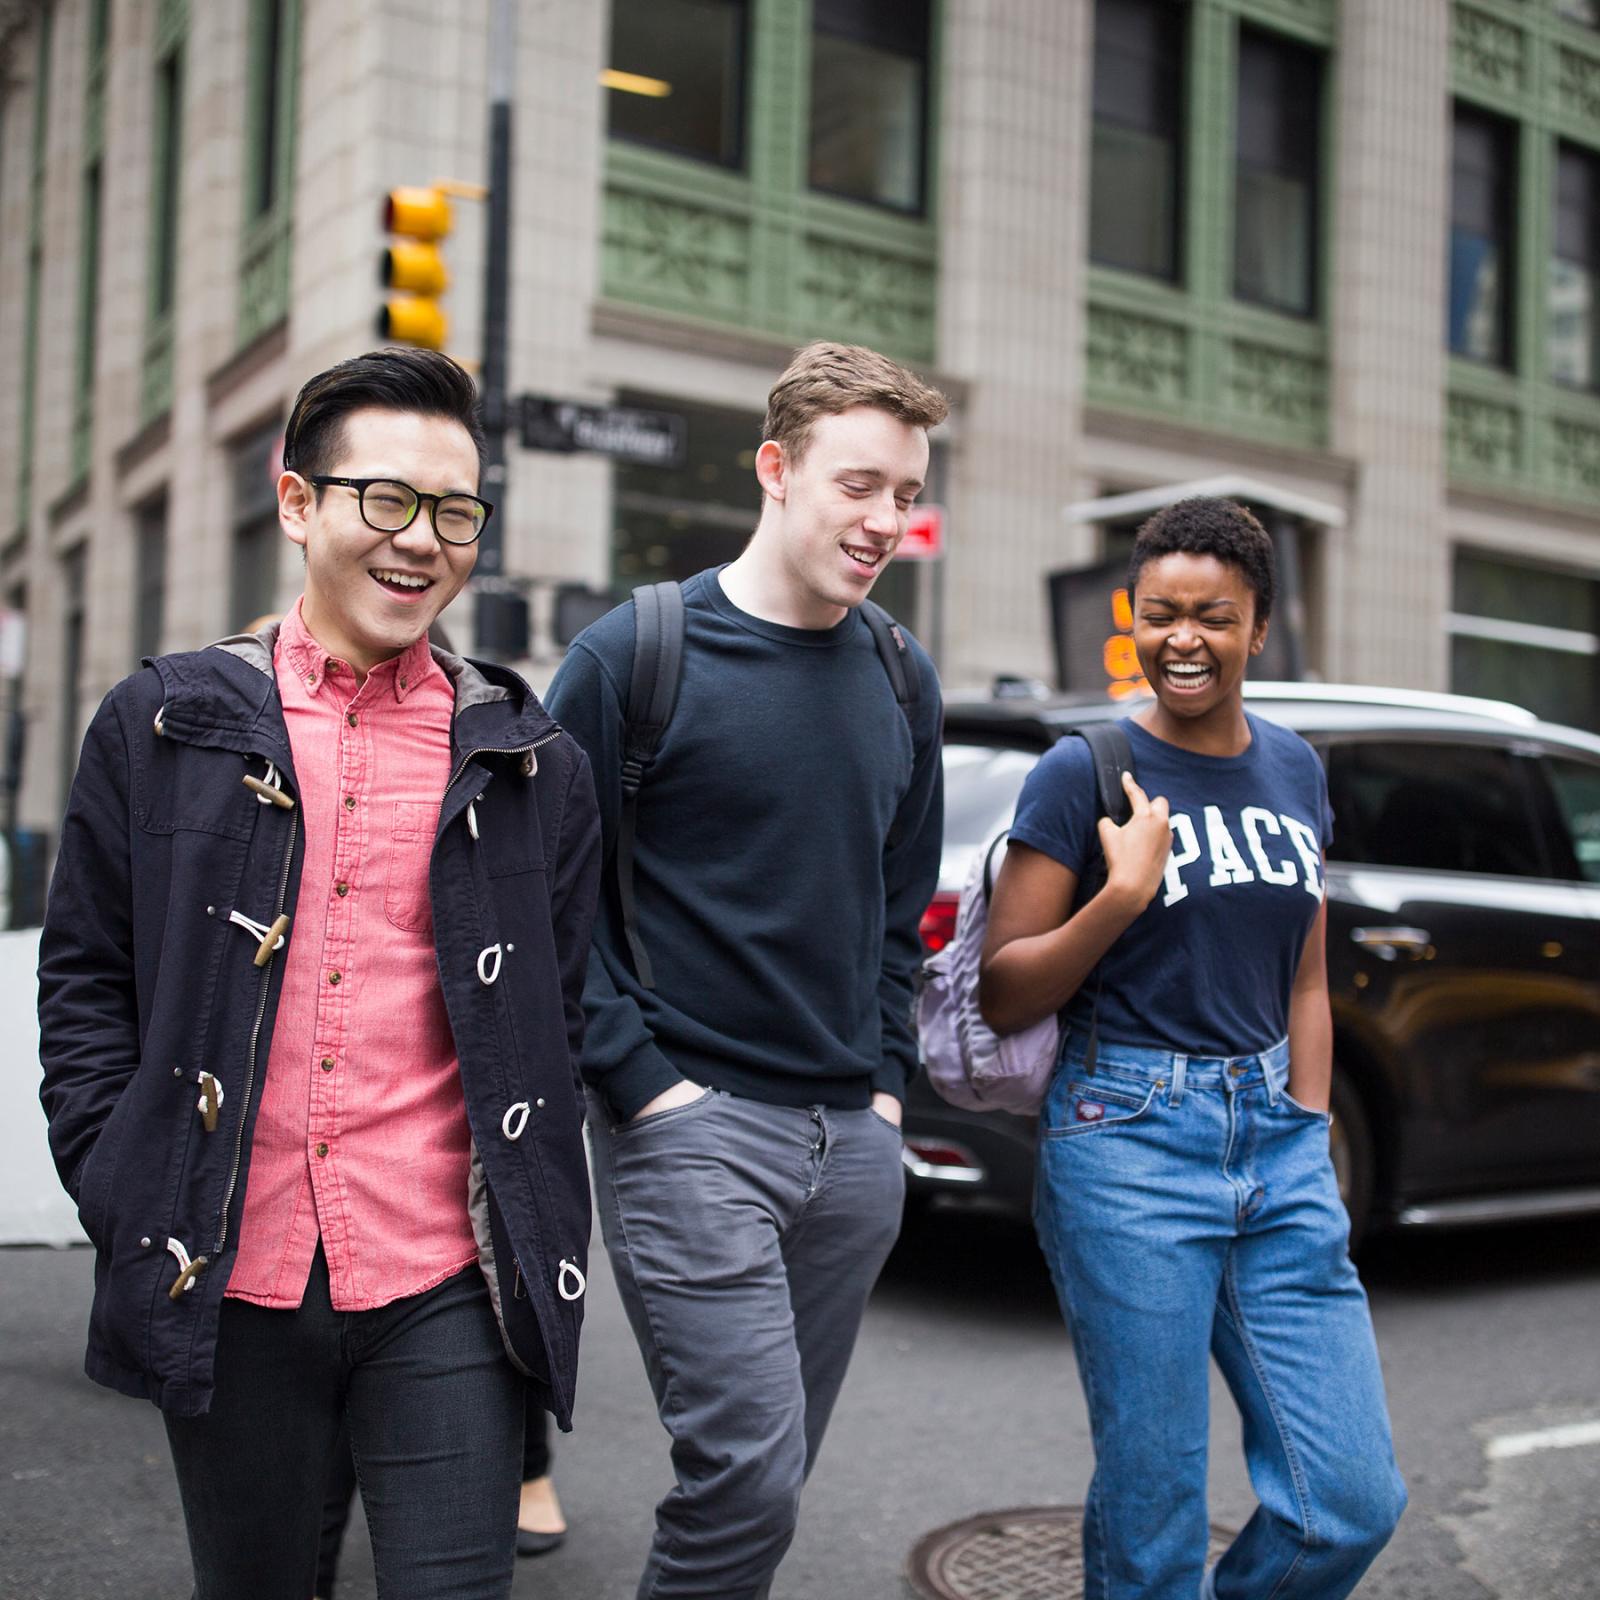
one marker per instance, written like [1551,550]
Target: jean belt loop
[1180,1071]
[1274,1076]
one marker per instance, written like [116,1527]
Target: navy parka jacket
[144,984]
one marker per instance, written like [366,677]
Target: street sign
[625,433]
[924,540]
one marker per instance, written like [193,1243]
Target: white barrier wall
[34,1209]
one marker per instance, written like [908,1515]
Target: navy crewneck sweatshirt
[781,923]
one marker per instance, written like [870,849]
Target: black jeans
[435,1417]
[342,1486]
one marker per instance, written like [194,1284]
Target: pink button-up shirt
[361,1136]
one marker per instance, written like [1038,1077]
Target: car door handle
[1387,944]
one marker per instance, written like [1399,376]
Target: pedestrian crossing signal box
[412,268]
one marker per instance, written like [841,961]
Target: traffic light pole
[496,306]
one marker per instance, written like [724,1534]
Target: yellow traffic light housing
[414,266]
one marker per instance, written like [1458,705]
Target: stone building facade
[1345,251]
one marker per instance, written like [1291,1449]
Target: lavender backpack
[967,1062]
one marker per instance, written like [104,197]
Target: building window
[1136,155]
[676,78]
[35,281]
[265,176]
[167,169]
[253,577]
[1586,12]
[88,313]
[269,166]
[1277,161]
[1575,270]
[869,100]
[1529,635]
[1478,316]
[73,588]
[150,578]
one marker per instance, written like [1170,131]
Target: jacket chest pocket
[409,848]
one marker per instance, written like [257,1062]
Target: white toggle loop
[489,977]
[472,818]
[259,929]
[273,781]
[180,1255]
[561,1280]
[515,1119]
[160,722]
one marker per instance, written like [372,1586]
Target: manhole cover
[1032,1553]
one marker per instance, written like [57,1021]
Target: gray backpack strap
[652,695]
[1112,755]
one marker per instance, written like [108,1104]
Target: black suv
[1463,950]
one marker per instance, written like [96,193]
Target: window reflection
[1478,313]
[869,77]
[1573,270]
[1278,153]
[676,76]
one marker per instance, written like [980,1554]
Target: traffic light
[413,266]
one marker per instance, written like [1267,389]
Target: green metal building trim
[1517,429]
[265,245]
[757,249]
[30,326]
[1191,352]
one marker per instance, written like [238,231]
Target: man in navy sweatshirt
[746,1107]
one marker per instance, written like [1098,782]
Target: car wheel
[1350,1144]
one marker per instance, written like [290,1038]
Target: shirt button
[333,977]
[350,717]
[402,683]
[322,1149]
[341,889]
[349,802]
[327,1063]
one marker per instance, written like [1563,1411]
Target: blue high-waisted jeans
[1188,1206]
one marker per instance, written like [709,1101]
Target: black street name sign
[641,438]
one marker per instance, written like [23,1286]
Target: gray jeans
[745,1239]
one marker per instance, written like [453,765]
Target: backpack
[658,626]
[969,1064]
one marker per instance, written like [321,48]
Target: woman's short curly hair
[1206,526]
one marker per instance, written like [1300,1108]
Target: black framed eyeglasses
[390,505]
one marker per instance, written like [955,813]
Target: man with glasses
[311,1012]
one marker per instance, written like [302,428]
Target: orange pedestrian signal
[413,266]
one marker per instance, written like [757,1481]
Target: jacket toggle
[189,1269]
[576,1272]
[270,935]
[269,791]
[209,1104]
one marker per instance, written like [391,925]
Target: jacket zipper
[515,750]
[255,1039]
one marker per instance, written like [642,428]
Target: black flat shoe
[538,1544]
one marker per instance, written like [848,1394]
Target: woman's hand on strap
[1136,853]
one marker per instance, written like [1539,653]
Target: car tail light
[939,1161]
[939,922]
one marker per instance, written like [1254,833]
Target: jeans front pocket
[409,848]
[1088,1105]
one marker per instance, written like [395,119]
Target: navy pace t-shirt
[1207,967]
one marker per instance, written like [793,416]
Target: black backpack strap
[1112,755]
[894,653]
[652,694]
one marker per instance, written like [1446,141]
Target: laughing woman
[1186,1201]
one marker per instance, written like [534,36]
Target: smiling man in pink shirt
[310,1001]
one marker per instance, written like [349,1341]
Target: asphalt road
[962,1399]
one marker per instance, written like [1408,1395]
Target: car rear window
[1436,806]
[981,785]
[1577,787]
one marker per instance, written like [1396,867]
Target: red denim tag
[1090,1111]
